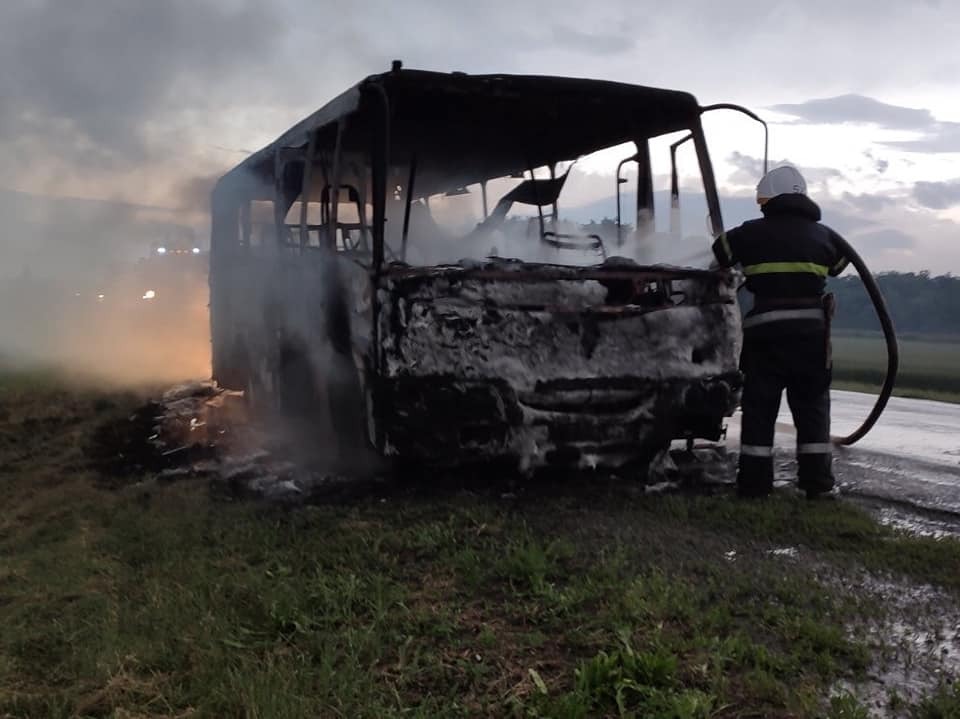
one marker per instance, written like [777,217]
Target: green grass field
[577,600]
[928,369]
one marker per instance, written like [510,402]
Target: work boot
[824,488]
[822,494]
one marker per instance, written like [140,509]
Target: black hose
[893,351]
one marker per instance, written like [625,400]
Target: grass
[581,600]
[928,369]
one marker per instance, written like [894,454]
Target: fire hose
[890,337]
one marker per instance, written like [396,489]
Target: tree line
[917,302]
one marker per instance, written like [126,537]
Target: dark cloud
[935,136]
[937,195]
[83,79]
[749,170]
[941,137]
[879,164]
[858,109]
[868,203]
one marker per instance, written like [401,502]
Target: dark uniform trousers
[800,364]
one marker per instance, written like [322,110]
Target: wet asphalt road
[911,457]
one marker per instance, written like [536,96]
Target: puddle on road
[915,645]
[917,523]
[921,507]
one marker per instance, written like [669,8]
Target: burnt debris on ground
[200,431]
[159,436]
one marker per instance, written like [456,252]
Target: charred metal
[365,312]
[550,365]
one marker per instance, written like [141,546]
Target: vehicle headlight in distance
[196,250]
[149,295]
[161,250]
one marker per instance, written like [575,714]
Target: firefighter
[786,257]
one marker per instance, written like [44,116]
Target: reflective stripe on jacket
[786,255]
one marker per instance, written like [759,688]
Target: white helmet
[783,180]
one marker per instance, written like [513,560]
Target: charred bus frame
[423,133]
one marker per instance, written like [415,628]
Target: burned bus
[344,282]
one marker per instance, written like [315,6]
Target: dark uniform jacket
[786,257]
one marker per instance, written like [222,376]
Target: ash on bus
[352,284]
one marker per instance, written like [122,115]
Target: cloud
[937,195]
[845,219]
[880,165]
[868,202]
[887,238]
[592,43]
[942,137]
[86,81]
[146,99]
[749,170]
[935,136]
[857,109]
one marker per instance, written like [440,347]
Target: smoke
[97,314]
[452,227]
[108,107]
[73,276]
[139,104]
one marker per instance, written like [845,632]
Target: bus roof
[467,128]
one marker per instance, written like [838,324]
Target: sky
[144,102]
